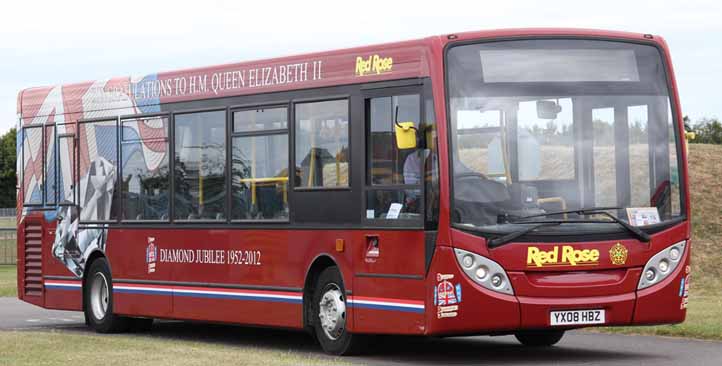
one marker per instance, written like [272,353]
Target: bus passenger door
[390,267]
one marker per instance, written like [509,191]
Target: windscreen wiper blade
[641,235]
[497,242]
[554,213]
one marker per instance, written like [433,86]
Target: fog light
[663,265]
[674,254]
[496,280]
[650,274]
[468,261]
[481,272]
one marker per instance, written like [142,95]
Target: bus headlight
[484,271]
[661,265]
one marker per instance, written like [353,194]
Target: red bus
[522,182]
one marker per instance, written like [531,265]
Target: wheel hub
[332,313]
[99,296]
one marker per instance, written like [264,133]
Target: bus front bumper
[481,311]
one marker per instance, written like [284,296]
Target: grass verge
[704,321]
[8,281]
[64,348]
[7,222]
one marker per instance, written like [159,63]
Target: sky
[56,42]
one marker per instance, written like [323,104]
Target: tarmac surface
[576,348]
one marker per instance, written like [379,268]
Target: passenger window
[200,166]
[98,162]
[50,166]
[260,164]
[394,175]
[67,170]
[145,182]
[33,165]
[322,153]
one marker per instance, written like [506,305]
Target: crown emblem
[618,254]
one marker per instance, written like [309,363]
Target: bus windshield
[548,125]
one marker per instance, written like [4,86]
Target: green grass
[7,222]
[67,348]
[8,281]
[704,321]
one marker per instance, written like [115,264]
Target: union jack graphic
[446,293]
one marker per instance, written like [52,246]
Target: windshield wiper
[496,242]
[641,235]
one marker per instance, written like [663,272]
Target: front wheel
[330,316]
[539,338]
[98,300]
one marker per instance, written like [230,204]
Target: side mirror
[546,109]
[405,135]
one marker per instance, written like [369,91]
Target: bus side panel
[389,287]
[254,277]
[135,291]
[63,290]
[237,276]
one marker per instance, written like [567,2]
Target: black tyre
[98,300]
[328,309]
[539,338]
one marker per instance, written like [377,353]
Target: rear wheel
[539,338]
[98,300]
[329,315]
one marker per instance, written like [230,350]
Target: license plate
[577,317]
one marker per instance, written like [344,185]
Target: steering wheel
[466,175]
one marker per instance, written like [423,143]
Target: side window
[33,165]
[98,162]
[322,144]
[394,175]
[51,184]
[67,169]
[145,179]
[200,166]
[260,164]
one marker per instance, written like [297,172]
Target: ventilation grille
[33,258]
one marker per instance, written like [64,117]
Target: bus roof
[138,95]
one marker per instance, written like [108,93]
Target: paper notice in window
[394,211]
[641,216]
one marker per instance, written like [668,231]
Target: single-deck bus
[522,182]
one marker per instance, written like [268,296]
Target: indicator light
[496,280]
[468,261]
[650,274]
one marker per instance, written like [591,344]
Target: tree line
[7,169]
[706,130]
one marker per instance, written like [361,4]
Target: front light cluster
[661,265]
[484,271]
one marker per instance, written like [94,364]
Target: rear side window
[322,144]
